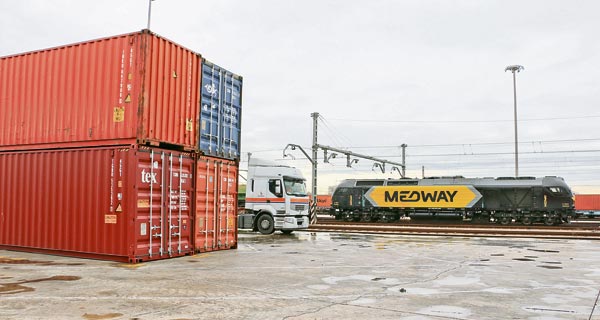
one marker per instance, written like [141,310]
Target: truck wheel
[287,231]
[265,224]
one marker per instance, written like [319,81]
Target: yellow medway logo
[423,196]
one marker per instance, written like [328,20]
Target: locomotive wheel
[348,217]
[549,221]
[504,221]
[526,221]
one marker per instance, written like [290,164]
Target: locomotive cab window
[556,190]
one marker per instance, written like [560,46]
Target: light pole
[515,68]
[149,12]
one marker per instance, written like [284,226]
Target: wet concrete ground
[317,276]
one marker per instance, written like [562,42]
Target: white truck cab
[276,198]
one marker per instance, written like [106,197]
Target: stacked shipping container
[101,150]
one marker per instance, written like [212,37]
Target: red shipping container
[123,203]
[323,201]
[136,88]
[216,204]
[587,202]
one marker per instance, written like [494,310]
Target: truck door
[276,196]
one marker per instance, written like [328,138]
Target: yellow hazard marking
[119,209]
[119,114]
[189,125]
[110,218]
[423,196]
[128,98]
[174,74]
[129,76]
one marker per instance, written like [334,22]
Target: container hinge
[175,234]
[157,235]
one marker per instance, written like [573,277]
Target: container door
[206,205]
[232,112]
[164,185]
[227,218]
[177,205]
[220,116]
[210,104]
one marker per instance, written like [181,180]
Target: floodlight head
[514,68]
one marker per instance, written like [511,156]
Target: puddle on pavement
[497,254]
[92,316]
[41,263]
[542,250]
[552,262]
[549,267]
[18,287]
[524,259]
[532,257]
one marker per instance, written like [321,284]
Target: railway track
[571,231]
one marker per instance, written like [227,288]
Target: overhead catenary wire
[464,121]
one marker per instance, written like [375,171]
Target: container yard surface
[317,276]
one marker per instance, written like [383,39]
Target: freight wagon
[504,200]
[588,205]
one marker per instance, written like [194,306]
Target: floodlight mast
[514,69]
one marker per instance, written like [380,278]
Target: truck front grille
[299,207]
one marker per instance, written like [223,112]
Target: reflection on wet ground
[18,287]
[4,260]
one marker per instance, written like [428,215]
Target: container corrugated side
[587,202]
[122,203]
[215,204]
[132,88]
[221,112]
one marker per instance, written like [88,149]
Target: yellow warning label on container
[203,123]
[120,184]
[129,76]
[143,203]
[119,208]
[189,125]
[128,98]
[119,114]
[423,196]
[110,218]
[230,223]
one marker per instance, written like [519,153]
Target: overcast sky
[381,73]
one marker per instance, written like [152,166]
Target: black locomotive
[503,200]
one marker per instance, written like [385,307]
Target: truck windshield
[294,187]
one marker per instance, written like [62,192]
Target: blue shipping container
[221,112]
